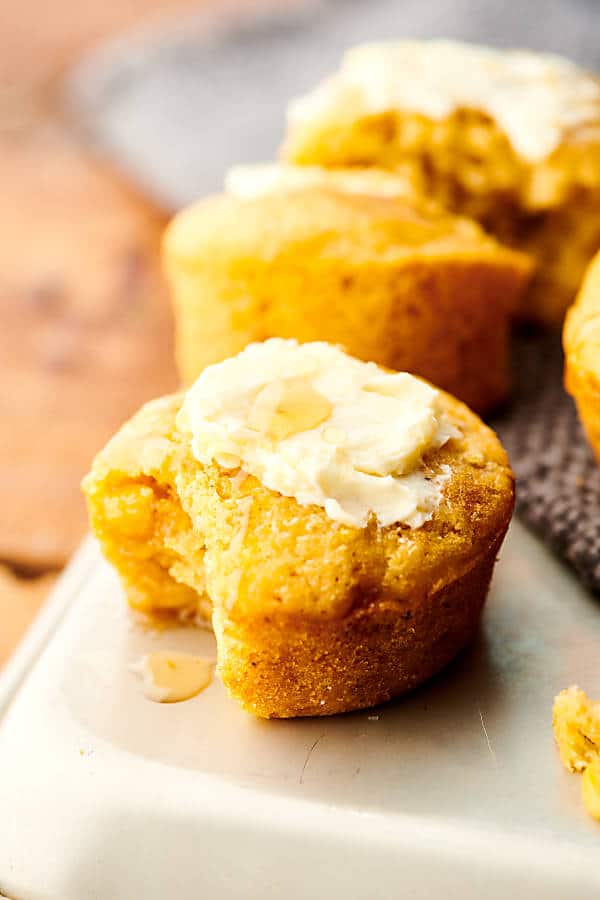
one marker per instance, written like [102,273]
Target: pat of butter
[534,98]
[249,182]
[173,677]
[311,422]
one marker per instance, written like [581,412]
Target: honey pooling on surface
[287,406]
[173,677]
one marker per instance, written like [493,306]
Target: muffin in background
[508,137]
[354,258]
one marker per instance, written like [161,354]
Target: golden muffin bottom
[280,668]
[581,340]
[398,282]
[311,617]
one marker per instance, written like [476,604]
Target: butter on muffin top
[261,179]
[535,98]
[312,423]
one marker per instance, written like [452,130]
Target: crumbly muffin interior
[467,163]
[146,534]
[463,160]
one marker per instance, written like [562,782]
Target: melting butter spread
[313,423]
[249,182]
[534,98]
[173,677]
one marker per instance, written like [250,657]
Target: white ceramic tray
[455,791]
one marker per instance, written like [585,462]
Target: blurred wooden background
[86,332]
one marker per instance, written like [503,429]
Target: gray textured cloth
[177,106]
[558,480]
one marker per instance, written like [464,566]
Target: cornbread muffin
[355,259]
[581,339]
[353,568]
[509,137]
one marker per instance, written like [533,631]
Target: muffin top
[312,423]
[537,100]
[266,552]
[324,222]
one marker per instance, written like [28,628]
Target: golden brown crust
[382,608]
[395,281]
[547,209]
[296,667]
[581,339]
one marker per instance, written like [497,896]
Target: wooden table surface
[86,330]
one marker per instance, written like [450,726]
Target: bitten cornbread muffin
[509,137]
[354,258]
[581,339]
[339,522]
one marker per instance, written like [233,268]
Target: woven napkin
[558,480]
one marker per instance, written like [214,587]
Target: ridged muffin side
[581,340]
[395,281]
